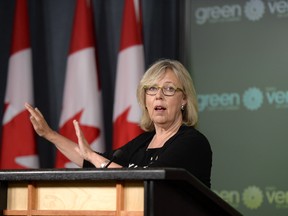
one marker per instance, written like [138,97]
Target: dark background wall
[50,27]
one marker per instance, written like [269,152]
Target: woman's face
[164,110]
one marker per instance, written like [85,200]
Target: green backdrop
[239,63]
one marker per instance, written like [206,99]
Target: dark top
[188,149]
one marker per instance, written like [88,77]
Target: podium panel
[108,192]
[75,198]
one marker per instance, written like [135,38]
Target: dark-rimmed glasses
[166,90]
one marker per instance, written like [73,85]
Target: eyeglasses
[166,90]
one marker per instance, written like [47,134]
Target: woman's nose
[159,94]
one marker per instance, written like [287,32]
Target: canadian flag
[18,149]
[82,93]
[130,69]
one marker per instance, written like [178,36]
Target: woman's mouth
[159,108]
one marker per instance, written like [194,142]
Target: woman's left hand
[83,148]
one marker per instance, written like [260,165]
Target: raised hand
[38,121]
[83,147]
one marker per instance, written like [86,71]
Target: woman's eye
[169,88]
[153,88]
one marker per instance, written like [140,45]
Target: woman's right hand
[38,121]
[66,146]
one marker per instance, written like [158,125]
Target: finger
[27,105]
[34,122]
[81,139]
[32,118]
[76,127]
[78,130]
[30,109]
[39,112]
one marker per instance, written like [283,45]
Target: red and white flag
[18,146]
[130,69]
[82,98]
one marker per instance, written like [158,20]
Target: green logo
[254,9]
[253,98]
[252,197]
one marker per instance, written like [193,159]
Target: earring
[182,107]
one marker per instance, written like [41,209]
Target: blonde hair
[154,72]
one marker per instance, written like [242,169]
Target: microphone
[116,154]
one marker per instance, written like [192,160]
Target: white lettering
[204,14]
[278,197]
[278,7]
[232,197]
[223,100]
[278,97]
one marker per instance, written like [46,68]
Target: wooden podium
[119,192]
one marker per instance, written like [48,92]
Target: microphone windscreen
[117,153]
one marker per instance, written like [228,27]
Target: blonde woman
[168,101]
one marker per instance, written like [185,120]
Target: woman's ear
[184,101]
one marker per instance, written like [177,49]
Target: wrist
[50,135]
[104,164]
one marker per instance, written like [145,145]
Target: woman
[168,100]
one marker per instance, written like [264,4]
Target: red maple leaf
[67,130]
[124,131]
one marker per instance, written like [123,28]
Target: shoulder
[189,132]
[189,139]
